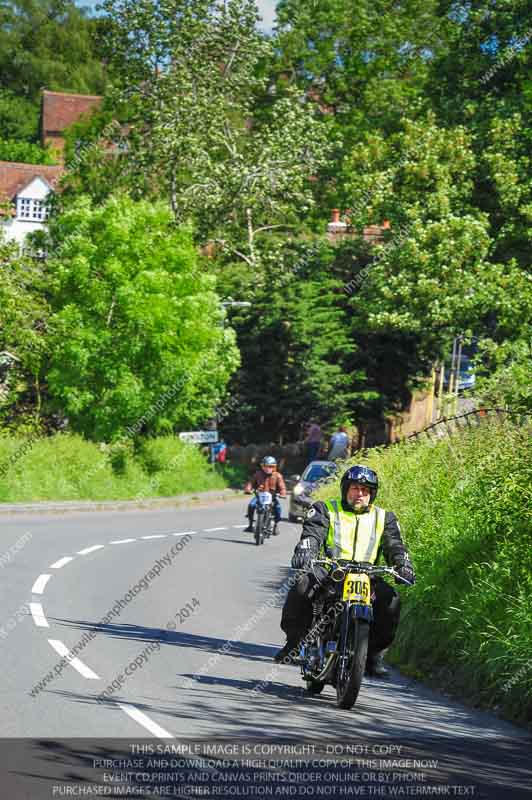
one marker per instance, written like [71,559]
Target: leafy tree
[19,118]
[23,322]
[504,185]
[97,159]
[482,65]
[366,62]
[507,383]
[434,275]
[190,92]
[136,333]
[24,152]
[418,114]
[48,43]
[295,344]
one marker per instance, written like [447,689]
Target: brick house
[24,189]
[58,111]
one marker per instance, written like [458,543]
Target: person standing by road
[313,440]
[339,445]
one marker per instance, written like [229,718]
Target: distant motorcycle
[264,525]
[336,647]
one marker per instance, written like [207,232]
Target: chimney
[335,226]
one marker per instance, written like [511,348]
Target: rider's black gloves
[303,555]
[406,571]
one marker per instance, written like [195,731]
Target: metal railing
[474,418]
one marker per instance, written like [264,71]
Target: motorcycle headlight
[298,490]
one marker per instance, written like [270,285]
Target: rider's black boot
[289,653]
[249,528]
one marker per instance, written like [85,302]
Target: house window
[30,209]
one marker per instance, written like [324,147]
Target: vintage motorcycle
[264,525]
[336,647]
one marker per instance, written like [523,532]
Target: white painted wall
[17,228]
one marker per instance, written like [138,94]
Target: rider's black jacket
[316,528]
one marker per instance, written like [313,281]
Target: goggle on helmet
[362,475]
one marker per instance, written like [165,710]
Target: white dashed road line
[82,668]
[240,526]
[40,583]
[145,721]
[61,562]
[90,549]
[167,533]
[38,615]
[40,620]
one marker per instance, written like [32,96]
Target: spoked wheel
[350,673]
[315,687]
[259,529]
[267,524]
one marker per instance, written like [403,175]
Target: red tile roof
[59,110]
[14,177]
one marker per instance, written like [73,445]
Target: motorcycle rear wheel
[348,686]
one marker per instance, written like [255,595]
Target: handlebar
[344,566]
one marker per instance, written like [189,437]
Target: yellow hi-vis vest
[354,536]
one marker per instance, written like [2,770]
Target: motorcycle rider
[266,479]
[349,527]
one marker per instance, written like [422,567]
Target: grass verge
[66,467]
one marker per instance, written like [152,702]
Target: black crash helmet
[363,475]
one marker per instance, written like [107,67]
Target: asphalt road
[175,617]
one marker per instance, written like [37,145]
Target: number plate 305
[357,588]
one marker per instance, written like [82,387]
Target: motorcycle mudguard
[358,611]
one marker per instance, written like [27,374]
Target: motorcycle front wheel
[349,679]
[259,529]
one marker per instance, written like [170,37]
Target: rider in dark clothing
[349,527]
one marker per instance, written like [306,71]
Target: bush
[67,467]
[464,507]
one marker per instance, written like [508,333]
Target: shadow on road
[207,644]
[229,541]
[281,690]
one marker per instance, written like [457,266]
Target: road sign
[199,437]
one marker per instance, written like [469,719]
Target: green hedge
[66,467]
[464,504]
